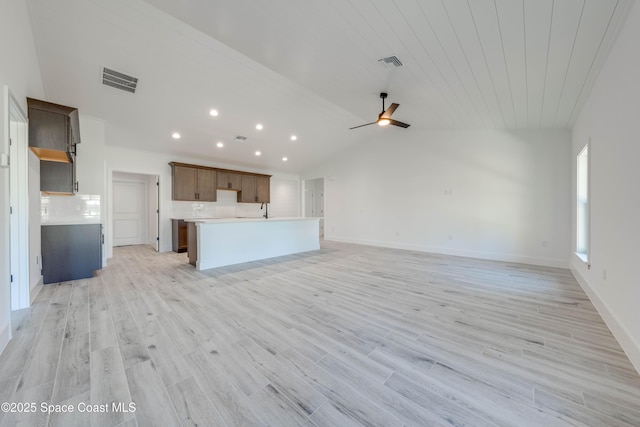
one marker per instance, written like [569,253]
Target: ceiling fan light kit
[384,118]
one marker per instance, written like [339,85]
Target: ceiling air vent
[240,138]
[391,62]
[119,80]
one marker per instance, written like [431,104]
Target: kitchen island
[226,241]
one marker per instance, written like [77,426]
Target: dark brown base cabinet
[179,234]
[192,252]
[71,252]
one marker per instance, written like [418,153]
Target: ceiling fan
[384,118]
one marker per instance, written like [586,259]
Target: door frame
[19,202]
[157,215]
[108,252]
[323,197]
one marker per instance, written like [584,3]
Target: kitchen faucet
[266,211]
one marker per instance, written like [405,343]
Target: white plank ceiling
[311,68]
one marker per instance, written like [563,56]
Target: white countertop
[252,219]
[72,222]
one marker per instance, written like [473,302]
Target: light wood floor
[345,336]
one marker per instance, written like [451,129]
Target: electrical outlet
[545,243]
[604,274]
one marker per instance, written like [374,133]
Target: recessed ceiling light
[284,159]
[220,145]
[213,112]
[175,135]
[258,153]
[259,126]
[293,137]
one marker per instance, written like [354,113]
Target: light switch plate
[4,160]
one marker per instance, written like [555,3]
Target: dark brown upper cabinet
[255,189]
[206,183]
[263,190]
[229,180]
[193,183]
[199,183]
[248,194]
[54,130]
[58,178]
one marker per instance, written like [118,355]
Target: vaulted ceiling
[311,68]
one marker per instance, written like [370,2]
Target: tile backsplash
[78,209]
[226,206]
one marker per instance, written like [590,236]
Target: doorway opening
[135,210]
[314,200]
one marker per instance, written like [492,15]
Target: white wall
[610,119]
[91,166]
[19,71]
[90,156]
[486,194]
[285,196]
[285,199]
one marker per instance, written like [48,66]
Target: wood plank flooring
[345,336]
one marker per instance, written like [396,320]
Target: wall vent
[119,80]
[240,138]
[391,62]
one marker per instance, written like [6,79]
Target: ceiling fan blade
[356,127]
[389,111]
[397,123]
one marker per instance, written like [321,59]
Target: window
[582,214]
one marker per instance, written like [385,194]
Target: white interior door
[314,200]
[309,203]
[129,213]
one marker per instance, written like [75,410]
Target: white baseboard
[5,336]
[630,346]
[521,259]
[35,290]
